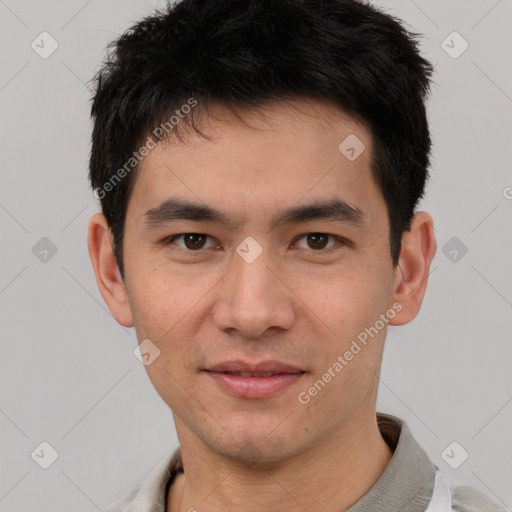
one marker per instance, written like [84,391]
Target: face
[266,271]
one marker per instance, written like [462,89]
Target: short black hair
[248,53]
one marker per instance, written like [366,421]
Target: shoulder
[468,499]
[151,495]
[122,504]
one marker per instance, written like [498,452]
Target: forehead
[280,154]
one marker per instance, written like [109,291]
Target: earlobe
[106,270]
[412,272]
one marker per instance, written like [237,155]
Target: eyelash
[341,241]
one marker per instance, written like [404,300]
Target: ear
[411,274]
[108,277]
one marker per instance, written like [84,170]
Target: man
[259,165]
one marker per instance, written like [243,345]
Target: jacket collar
[406,485]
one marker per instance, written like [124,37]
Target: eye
[318,241]
[194,242]
[191,241]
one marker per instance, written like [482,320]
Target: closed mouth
[257,374]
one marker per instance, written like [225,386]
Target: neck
[330,477]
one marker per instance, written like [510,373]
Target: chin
[258,450]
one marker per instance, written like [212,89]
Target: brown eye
[317,241]
[194,241]
[191,241]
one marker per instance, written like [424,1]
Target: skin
[295,303]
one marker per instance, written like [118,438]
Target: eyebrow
[178,209]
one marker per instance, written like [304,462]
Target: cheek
[159,310]
[348,308]
[349,300]
[166,308]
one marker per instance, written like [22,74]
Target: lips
[254,381]
[261,369]
[252,374]
[240,386]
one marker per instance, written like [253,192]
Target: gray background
[68,373]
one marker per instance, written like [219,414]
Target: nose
[253,298]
